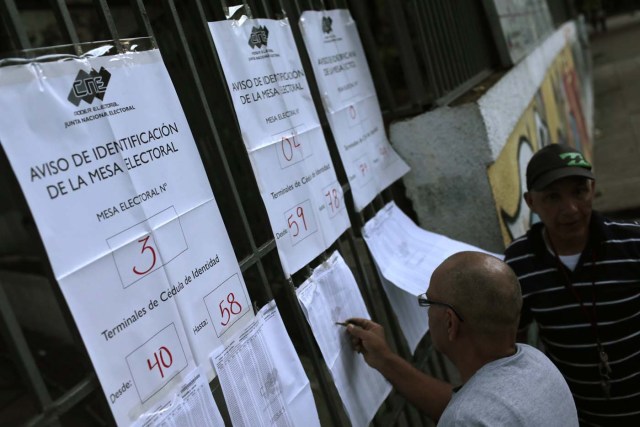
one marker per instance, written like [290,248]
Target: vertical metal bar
[169,4]
[105,14]
[448,30]
[446,50]
[142,18]
[437,56]
[370,48]
[460,52]
[464,25]
[14,337]
[407,54]
[424,48]
[267,9]
[63,16]
[16,30]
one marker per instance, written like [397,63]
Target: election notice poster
[282,134]
[109,167]
[351,104]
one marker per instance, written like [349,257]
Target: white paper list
[406,256]
[351,104]
[281,131]
[192,405]
[261,376]
[331,295]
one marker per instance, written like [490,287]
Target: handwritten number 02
[234,308]
[145,247]
[292,144]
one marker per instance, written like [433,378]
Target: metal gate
[421,54]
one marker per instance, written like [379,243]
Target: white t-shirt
[525,389]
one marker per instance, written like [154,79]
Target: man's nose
[569,205]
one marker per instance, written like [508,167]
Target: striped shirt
[607,281]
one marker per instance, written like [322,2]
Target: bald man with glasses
[473,304]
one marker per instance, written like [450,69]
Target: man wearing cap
[580,279]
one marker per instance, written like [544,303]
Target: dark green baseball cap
[553,162]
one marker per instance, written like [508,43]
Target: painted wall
[554,115]
[468,161]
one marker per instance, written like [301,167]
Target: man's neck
[564,246]
[474,358]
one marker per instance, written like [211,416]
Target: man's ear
[453,323]
[529,200]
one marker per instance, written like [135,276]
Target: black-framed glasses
[423,301]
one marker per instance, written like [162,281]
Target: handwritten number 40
[165,360]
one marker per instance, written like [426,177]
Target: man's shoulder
[620,228]
[523,246]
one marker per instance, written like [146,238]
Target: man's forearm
[426,393]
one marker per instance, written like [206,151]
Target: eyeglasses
[423,301]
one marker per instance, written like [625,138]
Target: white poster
[262,379]
[109,167]
[331,296]
[351,104]
[282,134]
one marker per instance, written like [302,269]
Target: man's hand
[367,337]
[428,394]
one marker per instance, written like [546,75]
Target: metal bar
[27,366]
[460,51]
[463,88]
[65,402]
[63,17]
[16,30]
[143,19]
[105,14]
[424,51]
[209,115]
[436,49]
[456,54]
[407,55]
[377,69]
[478,39]
[445,49]
[267,9]
[464,18]
[257,254]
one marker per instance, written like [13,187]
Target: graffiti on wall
[554,115]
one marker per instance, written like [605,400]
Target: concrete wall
[468,161]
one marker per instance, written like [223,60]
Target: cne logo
[259,37]
[326,24]
[88,86]
[575,159]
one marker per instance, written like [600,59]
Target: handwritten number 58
[234,307]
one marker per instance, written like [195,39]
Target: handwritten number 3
[145,247]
